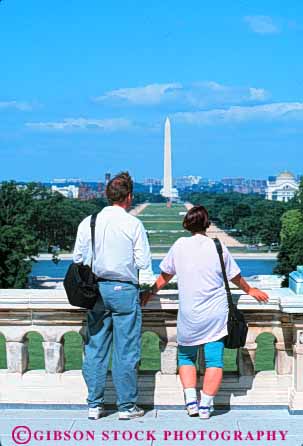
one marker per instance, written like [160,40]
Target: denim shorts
[213,354]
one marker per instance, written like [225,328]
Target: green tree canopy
[18,238]
[255,218]
[291,250]
[32,219]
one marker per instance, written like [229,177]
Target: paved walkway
[213,231]
[236,255]
[138,209]
[156,428]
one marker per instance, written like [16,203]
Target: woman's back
[202,297]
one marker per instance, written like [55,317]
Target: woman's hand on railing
[259,295]
[161,281]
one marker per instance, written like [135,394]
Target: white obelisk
[167,180]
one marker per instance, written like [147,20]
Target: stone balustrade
[48,313]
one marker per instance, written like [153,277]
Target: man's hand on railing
[259,295]
[145,297]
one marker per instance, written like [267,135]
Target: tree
[56,218]
[32,219]
[257,219]
[141,197]
[297,201]
[291,250]
[18,239]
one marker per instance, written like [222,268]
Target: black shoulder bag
[80,282]
[236,324]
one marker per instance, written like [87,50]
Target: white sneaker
[94,413]
[129,414]
[204,412]
[192,409]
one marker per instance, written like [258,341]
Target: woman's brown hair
[196,219]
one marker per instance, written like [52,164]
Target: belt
[99,279]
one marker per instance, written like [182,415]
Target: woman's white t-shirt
[203,307]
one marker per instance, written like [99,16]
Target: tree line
[252,218]
[33,219]
[257,220]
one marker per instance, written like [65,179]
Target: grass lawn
[163,239]
[166,225]
[150,358]
[159,249]
[160,210]
[156,218]
[159,217]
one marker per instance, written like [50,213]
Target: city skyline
[89,93]
[158,180]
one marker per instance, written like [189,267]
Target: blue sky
[85,87]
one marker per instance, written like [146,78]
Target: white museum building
[282,188]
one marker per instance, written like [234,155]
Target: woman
[203,308]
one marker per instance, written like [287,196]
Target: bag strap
[227,288]
[92,229]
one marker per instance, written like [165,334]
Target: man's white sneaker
[129,414]
[192,409]
[204,412]
[94,413]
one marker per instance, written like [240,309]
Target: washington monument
[168,191]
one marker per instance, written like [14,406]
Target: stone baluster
[53,356]
[168,357]
[298,354]
[246,359]
[296,394]
[284,358]
[83,335]
[17,356]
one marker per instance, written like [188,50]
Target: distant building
[238,181]
[69,191]
[59,180]
[107,178]
[100,189]
[152,182]
[66,180]
[187,181]
[90,191]
[244,186]
[282,188]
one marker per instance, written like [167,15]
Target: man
[121,249]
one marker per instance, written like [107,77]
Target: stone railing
[48,313]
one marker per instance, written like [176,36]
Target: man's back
[114,324]
[121,245]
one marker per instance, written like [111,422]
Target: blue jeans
[115,322]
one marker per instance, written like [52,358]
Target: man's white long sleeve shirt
[121,245]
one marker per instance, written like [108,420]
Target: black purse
[80,282]
[236,325]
